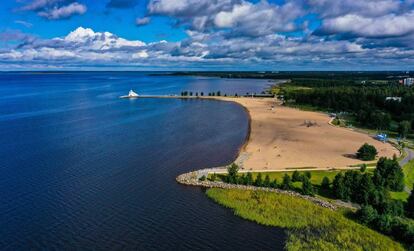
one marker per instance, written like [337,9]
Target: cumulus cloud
[55,9]
[370,8]
[199,14]
[64,11]
[259,19]
[86,47]
[243,17]
[385,26]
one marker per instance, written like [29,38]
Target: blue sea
[81,169]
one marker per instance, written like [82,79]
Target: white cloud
[142,21]
[24,23]
[98,40]
[64,11]
[55,9]
[85,47]
[259,19]
[371,8]
[385,26]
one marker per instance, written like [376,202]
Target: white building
[132,94]
[398,99]
[408,81]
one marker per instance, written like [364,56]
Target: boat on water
[131,94]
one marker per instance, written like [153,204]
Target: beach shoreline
[278,138]
[315,145]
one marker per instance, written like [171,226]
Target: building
[132,94]
[408,81]
[397,99]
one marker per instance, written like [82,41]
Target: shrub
[307,188]
[367,152]
[308,174]
[367,214]
[266,182]
[286,183]
[249,179]
[232,171]
[241,179]
[409,206]
[296,176]
[202,178]
[363,168]
[325,183]
[273,184]
[213,177]
[259,181]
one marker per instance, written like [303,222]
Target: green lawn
[408,170]
[310,227]
[316,177]
[409,174]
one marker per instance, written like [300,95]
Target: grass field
[310,227]
[408,170]
[317,177]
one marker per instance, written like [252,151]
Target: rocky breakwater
[192,179]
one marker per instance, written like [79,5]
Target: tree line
[367,103]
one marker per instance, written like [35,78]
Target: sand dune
[281,138]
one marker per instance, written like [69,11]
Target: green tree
[259,181]
[367,214]
[202,178]
[241,179]
[308,174]
[286,183]
[325,183]
[266,182]
[273,184]
[338,187]
[296,176]
[365,190]
[213,177]
[307,187]
[232,172]
[389,174]
[367,152]
[249,179]
[404,127]
[409,206]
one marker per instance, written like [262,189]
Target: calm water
[82,169]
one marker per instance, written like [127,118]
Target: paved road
[410,156]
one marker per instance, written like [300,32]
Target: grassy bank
[309,226]
[408,170]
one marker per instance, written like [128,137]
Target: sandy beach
[282,137]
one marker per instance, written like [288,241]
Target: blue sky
[207,34]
